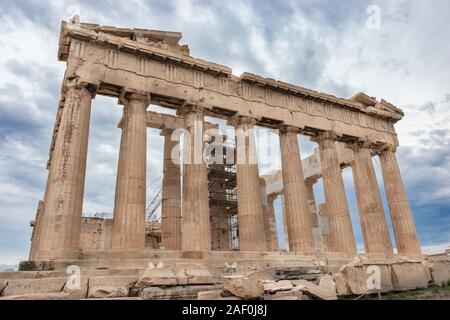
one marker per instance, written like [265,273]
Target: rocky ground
[431,293]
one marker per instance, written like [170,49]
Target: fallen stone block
[157,277]
[177,292]
[3,284]
[328,283]
[410,275]
[359,279]
[210,295]
[316,291]
[282,285]
[110,286]
[243,287]
[196,274]
[30,286]
[440,269]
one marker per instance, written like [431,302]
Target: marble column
[309,187]
[195,225]
[342,238]
[60,217]
[285,225]
[250,210]
[298,217]
[128,231]
[272,224]
[373,221]
[171,195]
[269,218]
[402,220]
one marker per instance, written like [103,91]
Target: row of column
[59,226]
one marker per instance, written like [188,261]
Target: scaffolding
[222,193]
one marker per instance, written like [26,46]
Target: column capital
[386,149]
[78,84]
[127,95]
[189,107]
[325,135]
[237,121]
[288,129]
[166,131]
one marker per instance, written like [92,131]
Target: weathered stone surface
[110,287]
[157,277]
[328,283]
[282,285]
[3,284]
[316,291]
[195,274]
[440,269]
[177,292]
[209,295]
[30,286]
[408,276]
[243,287]
[352,279]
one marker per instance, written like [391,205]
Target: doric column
[371,214]
[298,217]
[250,210]
[309,187]
[269,218]
[273,224]
[171,195]
[341,234]
[285,225]
[128,230]
[60,218]
[402,220]
[195,226]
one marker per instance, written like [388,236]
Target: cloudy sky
[316,44]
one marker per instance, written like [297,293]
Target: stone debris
[243,287]
[316,291]
[282,285]
[210,295]
[176,292]
[408,276]
[196,274]
[440,269]
[110,287]
[327,282]
[30,286]
[3,284]
[157,277]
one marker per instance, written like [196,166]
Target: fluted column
[60,218]
[269,218]
[285,225]
[341,234]
[171,195]
[373,221]
[250,210]
[298,217]
[309,187]
[195,226]
[402,220]
[128,231]
[272,224]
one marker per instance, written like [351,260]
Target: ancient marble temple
[215,207]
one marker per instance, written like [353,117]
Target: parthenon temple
[215,213]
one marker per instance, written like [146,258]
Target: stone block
[328,283]
[243,287]
[282,285]
[195,274]
[30,286]
[210,295]
[110,286]
[3,284]
[157,277]
[352,279]
[440,269]
[410,275]
[316,291]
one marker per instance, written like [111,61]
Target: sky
[395,50]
